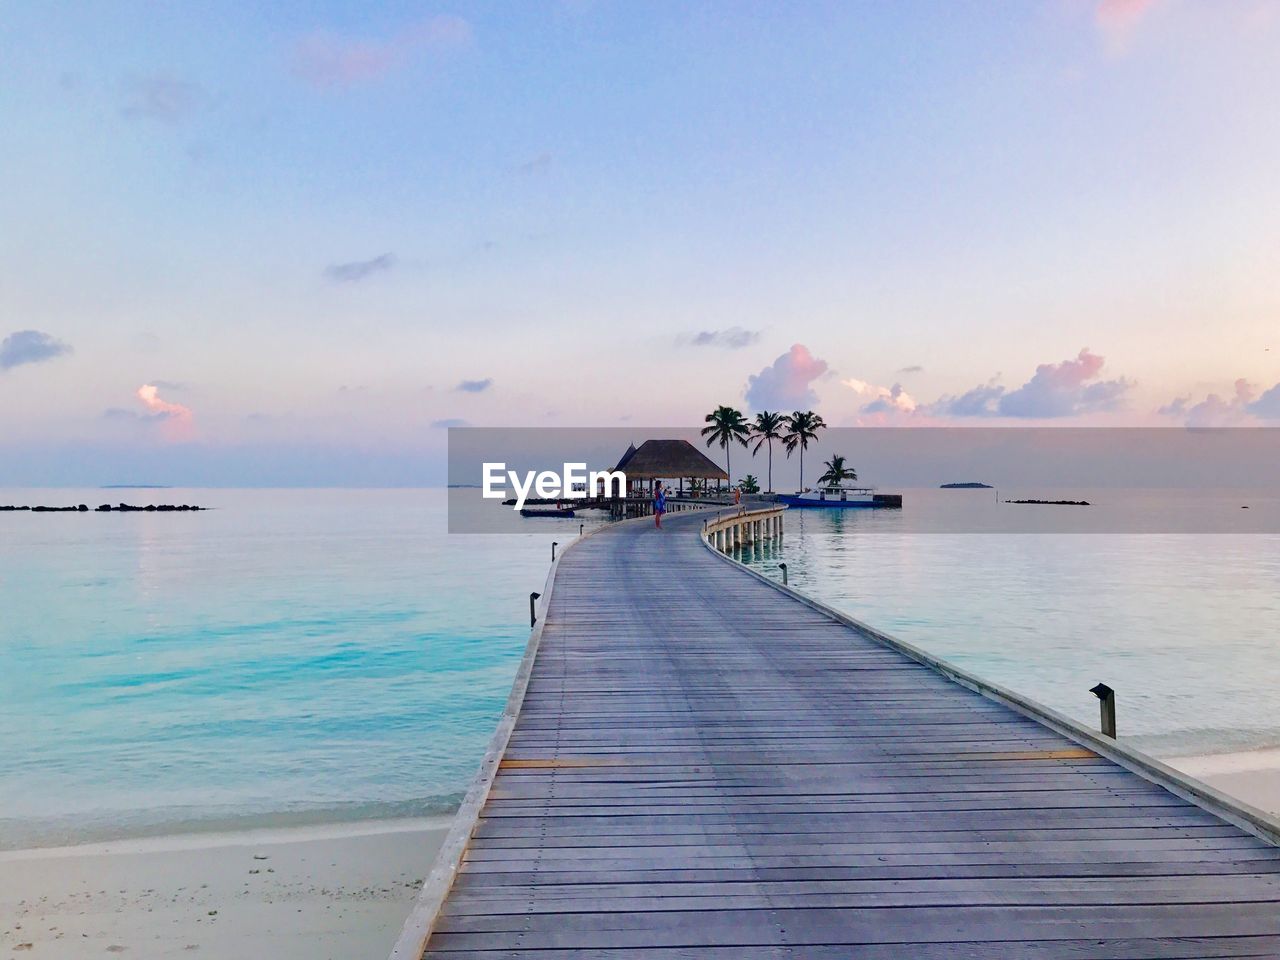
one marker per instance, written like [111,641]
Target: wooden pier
[698,764]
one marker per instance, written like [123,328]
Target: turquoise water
[289,656]
[296,656]
[1185,627]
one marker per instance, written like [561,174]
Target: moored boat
[840,497]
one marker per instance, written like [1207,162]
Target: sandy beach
[1249,775]
[337,892]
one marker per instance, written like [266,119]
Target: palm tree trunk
[771,465]
[802,468]
[727,468]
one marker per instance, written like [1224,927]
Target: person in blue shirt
[659,505]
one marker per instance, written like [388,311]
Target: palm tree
[727,425]
[837,472]
[766,429]
[750,484]
[801,427]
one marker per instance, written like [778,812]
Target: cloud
[1116,20]
[170,385]
[731,338]
[358,270]
[29,346]
[786,383]
[132,416]
[163,99]
[1218,411]
[474,386]
[145,342]
[176,418]
[537,166]
[1267,406]
[979,402]
[447,423]
[1065,389]
[887,400]
[912,369]
[331,61]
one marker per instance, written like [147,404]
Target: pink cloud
[176,420]
[1117,19]
[1238,409]
[786,384]
[1065,389]
[332,61]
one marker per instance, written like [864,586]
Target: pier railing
[743,526]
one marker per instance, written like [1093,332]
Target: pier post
[533,616]
[1107,698]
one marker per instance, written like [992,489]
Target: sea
[319,656]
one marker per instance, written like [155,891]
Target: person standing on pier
[659,504]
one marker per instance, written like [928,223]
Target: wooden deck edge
[417,928]
[1252,820]
[415,933]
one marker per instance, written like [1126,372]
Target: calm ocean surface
[290,656]
[322,655]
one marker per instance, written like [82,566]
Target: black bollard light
[783,568]
[533,617]
[554,544]
[1107,698]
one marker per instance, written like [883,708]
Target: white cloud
[879,399]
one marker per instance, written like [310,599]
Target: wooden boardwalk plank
[704,767]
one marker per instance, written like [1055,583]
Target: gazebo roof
[664,459]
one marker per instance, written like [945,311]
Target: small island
[971,485]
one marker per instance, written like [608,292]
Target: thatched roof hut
[668,460]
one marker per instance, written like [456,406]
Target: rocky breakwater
[108,508]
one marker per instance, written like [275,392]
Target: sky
[293,242]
